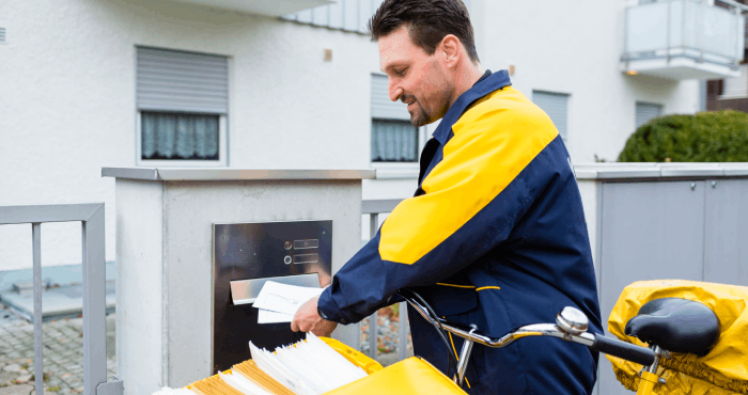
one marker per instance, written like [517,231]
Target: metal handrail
[374,208]
[735,4]
[379,206]
[94,288]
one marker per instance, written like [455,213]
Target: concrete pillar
[164,255]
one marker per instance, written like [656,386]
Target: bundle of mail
[278,302]
[308,367]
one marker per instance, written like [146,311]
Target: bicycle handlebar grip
[620,349]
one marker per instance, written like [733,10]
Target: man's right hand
[308,320]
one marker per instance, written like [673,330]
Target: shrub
[705,137]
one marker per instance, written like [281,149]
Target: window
[393,141]
[646,112]
[182,101]
[556,105]
[179,136]
[393,137]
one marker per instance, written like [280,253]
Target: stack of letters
[308,367]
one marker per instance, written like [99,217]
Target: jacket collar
[494,82]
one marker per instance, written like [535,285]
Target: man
[495,234]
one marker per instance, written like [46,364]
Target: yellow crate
[413,376]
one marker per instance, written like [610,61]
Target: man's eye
[401,72]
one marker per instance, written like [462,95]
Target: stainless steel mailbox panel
[246,291]
[244,257]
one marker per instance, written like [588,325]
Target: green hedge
[705,137]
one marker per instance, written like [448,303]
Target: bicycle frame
[648,375]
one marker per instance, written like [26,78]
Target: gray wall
[691,230]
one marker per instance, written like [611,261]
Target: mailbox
[245,256]
[195,246]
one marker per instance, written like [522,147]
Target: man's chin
[418,122]
[419,119]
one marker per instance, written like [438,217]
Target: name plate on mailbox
[245,256]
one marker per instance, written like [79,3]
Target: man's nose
[395,91]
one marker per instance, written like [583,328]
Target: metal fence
[94,288]
[373,208]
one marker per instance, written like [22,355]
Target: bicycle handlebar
[620,349]
[596,342]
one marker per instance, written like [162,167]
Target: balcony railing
[684,39]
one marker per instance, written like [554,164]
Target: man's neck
[469,75]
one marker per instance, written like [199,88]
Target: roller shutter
[381,105]
[556,105]
[181,81]
[646,112]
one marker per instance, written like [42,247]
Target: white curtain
[179,136]
[393,141]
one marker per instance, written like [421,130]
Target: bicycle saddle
[678,325]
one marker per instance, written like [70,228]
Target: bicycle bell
[572,321]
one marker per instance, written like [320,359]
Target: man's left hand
[308,320]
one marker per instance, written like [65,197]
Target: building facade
[92,83]
[729,93]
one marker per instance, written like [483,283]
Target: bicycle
[660,323]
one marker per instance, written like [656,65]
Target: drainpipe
[702,95]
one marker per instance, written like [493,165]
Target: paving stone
[16,390]
[7,376]
[12,368]
[63,353]
[23,379]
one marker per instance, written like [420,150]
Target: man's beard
[420,116]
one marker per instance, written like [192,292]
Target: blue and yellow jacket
[495,236]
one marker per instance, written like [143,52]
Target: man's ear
[451,50]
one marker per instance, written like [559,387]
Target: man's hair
[428,21]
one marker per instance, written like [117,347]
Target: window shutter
[181,81]
[647,111]
[556,105]
[381,105]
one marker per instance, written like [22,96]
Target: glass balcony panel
[683,39]
[646,27]
[720,27]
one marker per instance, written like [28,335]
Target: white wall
[574,47]
[70,66]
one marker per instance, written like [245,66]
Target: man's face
[416,78]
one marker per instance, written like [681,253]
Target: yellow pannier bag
[723,371]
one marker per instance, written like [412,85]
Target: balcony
[273,8]
[683,40]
